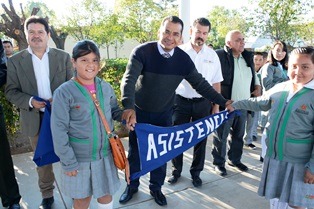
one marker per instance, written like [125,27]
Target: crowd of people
[166,82]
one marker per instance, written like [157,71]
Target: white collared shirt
[41,70]
[207,63]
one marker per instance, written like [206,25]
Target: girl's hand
[71,173]
[308,177]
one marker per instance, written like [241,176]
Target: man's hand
[308,177]
[130,118]
[37,104]
[229,106]
[228,102]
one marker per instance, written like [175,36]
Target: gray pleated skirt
[284,181]
[96,178]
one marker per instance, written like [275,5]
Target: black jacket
[3,67]
[227,68]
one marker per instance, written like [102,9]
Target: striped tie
[166,55]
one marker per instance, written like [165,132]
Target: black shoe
[261,159]
[160,198]
[221,170]
[197,181]
[46,203]
[239,166]
[14,206]
[173,179]
[251,146]
[127,194]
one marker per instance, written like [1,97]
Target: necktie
[166,55]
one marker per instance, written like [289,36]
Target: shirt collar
[162,51]
[31,51]
[310,84]
[189,47]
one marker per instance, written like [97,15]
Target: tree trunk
[58,37]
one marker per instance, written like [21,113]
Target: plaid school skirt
[96,178]
[284,180]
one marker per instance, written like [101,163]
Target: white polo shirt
[207,63]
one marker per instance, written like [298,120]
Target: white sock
[105,206]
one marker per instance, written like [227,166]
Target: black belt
[195,99]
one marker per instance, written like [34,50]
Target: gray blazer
[21,84]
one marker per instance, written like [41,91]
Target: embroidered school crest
[303,107]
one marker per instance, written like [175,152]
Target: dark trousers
[185,111]
[9,190]
[157,176]
[235,126]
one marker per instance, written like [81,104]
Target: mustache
[36,39]
[199,39]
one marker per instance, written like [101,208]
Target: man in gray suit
[37,71]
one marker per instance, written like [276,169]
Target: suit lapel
[27,66]
[53,66]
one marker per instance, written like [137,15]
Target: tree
[140,18]
[43,12]
[108,33]
[222,21]
[83,16]
[277,18]
[89,20]
[12,24]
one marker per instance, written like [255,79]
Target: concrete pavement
[236,190]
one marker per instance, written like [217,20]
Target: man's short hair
[36,19]
[7,42]
[173,19]
[203,22]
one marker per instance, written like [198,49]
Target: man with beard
[37,71]
[191,106]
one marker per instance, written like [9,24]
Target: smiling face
[300,69]
[37,37]
[169,35]
[278,52]
[87,67]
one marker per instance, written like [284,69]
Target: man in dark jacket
[9,190]
[239,83]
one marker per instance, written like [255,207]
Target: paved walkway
[236,190]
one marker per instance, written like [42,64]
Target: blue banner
[157,145]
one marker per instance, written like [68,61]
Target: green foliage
[84,15]
[277,18]
[11,116]
[43,12]
[139,18]
[113,72]
[222,21]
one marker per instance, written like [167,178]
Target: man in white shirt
[190,105]
[37,71]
